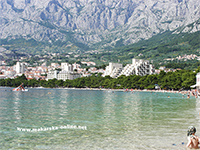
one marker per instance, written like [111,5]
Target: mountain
[96,24]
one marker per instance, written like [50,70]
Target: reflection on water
[114,120]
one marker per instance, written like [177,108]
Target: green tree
[59,83]
[106,83]
[67,83]
[2,82]
[9,82]
[52,83]
[43,83]
[33,83]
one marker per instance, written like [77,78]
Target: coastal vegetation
[180,79]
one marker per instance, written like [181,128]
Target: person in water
[193,140]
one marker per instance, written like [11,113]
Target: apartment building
[138,67]
[66,73]
[66,67]
[62,75]
[20,68]
[113,70]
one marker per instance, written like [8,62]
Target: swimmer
[193,140]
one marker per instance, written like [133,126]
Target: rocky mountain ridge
[96,22]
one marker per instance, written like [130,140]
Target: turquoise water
[95,119]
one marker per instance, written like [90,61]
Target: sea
[73,119]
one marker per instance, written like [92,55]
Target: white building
[73,75]
[62,75]
[20,68]
[142,67]
[52,74]
[66,67]
[128,70]
[113,70]
[138,67]
[76,66]
[66,73]
[10,72]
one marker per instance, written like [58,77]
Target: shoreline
[185,92]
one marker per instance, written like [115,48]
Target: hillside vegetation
[156,49]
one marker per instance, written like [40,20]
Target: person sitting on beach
[193,140]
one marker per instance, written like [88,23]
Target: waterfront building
[141,67]
[73,75]
[138,67]
[113,70]
[52,74]
[66,73]
[62,75]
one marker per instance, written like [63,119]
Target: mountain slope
[95,23]
[161,49]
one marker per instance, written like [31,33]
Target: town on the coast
[65,71]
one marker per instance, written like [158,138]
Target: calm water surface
[110,120]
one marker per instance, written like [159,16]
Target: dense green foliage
[183,65]
[181,79]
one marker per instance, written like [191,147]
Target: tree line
[180,79]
